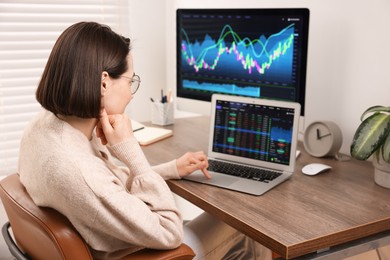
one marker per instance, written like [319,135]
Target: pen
[169,96]
[135,130]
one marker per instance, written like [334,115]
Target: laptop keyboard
[243,171]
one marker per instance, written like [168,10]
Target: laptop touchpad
[217,179]
[220,179]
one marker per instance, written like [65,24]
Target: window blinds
[28,31]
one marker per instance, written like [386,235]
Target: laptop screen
[253,131]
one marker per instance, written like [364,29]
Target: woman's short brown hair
[71,81]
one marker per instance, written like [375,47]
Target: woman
[68,154]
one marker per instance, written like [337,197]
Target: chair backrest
[42,233]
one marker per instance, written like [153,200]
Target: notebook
[253,134]
[146,135]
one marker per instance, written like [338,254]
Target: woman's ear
[105,79]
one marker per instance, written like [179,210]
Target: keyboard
[243,171]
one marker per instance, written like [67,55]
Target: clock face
[322,139]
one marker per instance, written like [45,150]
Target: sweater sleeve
[144,212]
[167,170]
[130,153]
[145,216]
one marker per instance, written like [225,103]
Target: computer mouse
[315,168]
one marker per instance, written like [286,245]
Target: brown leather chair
[44,233]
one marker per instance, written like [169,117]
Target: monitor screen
[249,52]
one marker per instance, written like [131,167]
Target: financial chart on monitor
[249,52]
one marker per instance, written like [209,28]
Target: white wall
[147,31]
[348,59]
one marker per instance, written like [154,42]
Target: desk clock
[322,138]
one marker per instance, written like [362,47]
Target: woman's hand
[190,162]
[113,129]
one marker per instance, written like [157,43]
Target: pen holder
[162,113]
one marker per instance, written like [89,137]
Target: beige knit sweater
[116,210]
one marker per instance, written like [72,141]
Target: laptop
[249,136]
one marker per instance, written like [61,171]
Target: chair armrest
[183,252]
[12,246]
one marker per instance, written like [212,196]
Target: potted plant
[372,137]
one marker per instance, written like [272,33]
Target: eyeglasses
[135,83]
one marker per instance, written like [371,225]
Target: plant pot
[382,171]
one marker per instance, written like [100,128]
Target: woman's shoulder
[47,134]
[42,130]
[61,157]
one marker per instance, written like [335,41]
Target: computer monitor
[250,52]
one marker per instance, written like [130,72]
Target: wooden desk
[300,216]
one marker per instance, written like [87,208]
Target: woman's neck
[85,125]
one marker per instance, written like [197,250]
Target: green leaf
[370,135]
[375,109]
[386,149]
